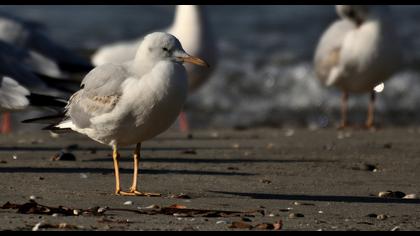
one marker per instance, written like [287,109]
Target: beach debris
[232,168]
[240,225]
[388,145]
[372,215]
[396,228]
[63,156]
[296,215]
[32,207]
[180,196]
[303,204]
[43,225]
[128,203]
[33,197]
[261,226]
[365,167]
[265,181]
[245,219]
[391,194]
[152,207]
[221,222]
[190,151]
[177,206]
[14,156]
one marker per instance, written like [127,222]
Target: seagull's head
[163,46]
[356,13]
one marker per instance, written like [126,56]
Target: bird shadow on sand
[320,198]
[199,160]
[104,171]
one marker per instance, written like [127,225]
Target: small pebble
[83,176]
[36,227]
[391,194]
[373,215]
[55,215]
[15,157]
[76,212]
[410,196]
[396,228]
[32,197]
[236,145]
[221,222]
[270,146]
[289,133]
[320,212]
[63,156]
[128,203]
[296,215]
[152,207]
[388,145]
[102,209]
[382,217]
[265,181]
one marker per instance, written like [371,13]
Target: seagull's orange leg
[133,189]
[344,102]
[370,121]
[6,127]
[183,122]
[115,157]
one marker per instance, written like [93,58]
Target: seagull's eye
[165,49]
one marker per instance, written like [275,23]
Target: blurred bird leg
[183,122]
[6,126]
[344,102]
[371,111]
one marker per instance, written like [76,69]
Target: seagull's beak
[193,60]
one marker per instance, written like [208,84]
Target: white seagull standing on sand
[191,26]
[126,104]
[358,53]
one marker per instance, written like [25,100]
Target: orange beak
[194,60]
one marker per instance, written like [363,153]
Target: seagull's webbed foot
[137,193]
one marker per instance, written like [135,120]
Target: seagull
[358,52]
[192,27]
[121,104]
[25,81]
[30,36]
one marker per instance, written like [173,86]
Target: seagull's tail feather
[50,120]
[53,123]
[40,100]
[65,85]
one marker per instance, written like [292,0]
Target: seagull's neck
[189,20]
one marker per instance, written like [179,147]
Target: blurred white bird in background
[358,52]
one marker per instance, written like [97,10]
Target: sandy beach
[252,179]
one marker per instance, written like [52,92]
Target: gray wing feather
[101,90]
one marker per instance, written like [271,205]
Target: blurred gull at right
[358,53]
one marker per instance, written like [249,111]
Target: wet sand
[308,180]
